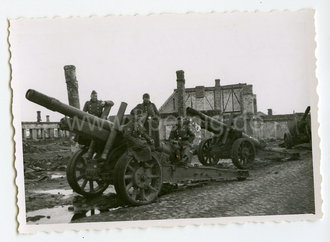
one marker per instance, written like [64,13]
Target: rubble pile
[46,155]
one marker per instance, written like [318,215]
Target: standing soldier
[95,106]
[98,108]
[151,122]
[184,137]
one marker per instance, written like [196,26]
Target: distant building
[235,103]
[42,130]
[218,101]
[272,126]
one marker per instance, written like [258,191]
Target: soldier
[137,140]
[151,122]
[95,106]
[134,128]
[184,137]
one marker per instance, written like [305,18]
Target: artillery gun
[119,157]
[227,143]
[299,130]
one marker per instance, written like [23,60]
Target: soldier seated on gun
[136,137]
[182,136]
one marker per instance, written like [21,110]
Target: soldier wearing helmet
[95,106]
[183,136]
[182,131]
[147,107]
[151,114]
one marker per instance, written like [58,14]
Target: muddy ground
[280,182]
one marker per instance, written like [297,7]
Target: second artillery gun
[122,158]
[226,143]
[299,130]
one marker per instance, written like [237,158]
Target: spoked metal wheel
[82,178]
[243,153]
[205,155]
[136,182]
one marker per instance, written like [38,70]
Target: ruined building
[215,100]
[42,130]
[235,103]
[228,103]
[218,101]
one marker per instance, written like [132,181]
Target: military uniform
[136,130]
[147,108]
[137,141]
[182,133]
[94,107]
[152,120]
[185,137]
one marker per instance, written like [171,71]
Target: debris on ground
[46,186]
[34,218]
[46,155]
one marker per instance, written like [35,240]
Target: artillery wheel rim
[204,155]
[76,175]
[243,153]
[138,182]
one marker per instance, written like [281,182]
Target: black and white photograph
[165,120]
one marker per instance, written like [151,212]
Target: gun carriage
[119,157]
[299,130]
[226,143]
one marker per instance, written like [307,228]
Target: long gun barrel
[308,109]
[81,122]
[298,126]
[217,127]
[301,124]
[208,121]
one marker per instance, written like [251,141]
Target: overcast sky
[124,57]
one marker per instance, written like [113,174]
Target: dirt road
[285,188]
[276,185]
